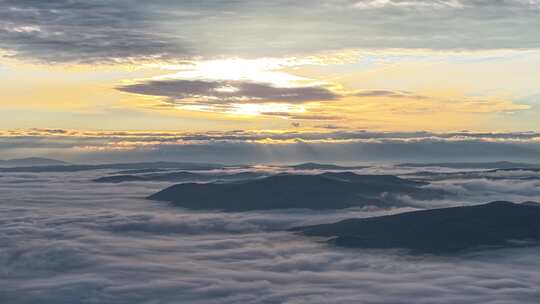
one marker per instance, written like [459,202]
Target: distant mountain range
[492,174]
[31,161]
[51,165]
[115,166]
[473,165]
[181,176]
[439,231]
[162,174]
[283,191]
[317,166]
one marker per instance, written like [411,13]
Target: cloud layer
[80,31]
[68,241]
[104,31]
[249,146]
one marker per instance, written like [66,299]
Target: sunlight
[259,109]
[237,69]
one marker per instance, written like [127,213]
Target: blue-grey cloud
[221,93]
[89,31]
[81,31]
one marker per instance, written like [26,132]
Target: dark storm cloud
[191,92]
[103,31]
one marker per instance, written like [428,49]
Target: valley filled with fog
[72,237]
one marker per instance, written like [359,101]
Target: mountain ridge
[283,191]
[31,161]
[437,231]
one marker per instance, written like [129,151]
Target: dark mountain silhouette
[31,161]
[170,176]
[179,177]
[317,166]
[373,180]
[119,166]
[473,165]
[323,191]
[439,231]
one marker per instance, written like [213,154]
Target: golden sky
[184,66]
[365,89]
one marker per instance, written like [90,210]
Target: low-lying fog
[66,239]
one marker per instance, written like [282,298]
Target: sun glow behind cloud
[263,70]
[307,88]
[378,89]
[269,85]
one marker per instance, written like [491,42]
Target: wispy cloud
[389,94]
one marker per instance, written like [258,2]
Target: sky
[105,80]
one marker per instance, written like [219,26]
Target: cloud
[409,103]
[413,4]
[238,97]
[213,88]
[81,31]
[482,189]
[302,116]
[389,94]
[221,92]
[239,146]
[331,127]
[63,31]
[69,241]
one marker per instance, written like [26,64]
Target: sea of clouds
[65,239]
